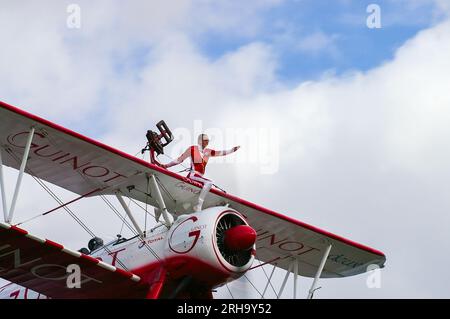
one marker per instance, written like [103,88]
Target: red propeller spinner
[240,238]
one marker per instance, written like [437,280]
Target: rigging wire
[123,220]
[131,228]
[57,208]
[112,208]
[229,291]
[117,213]
[268,279]
[146,207]
[60,202]
[245,276]
[137,204]
[165,189]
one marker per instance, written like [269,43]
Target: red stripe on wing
[41,266]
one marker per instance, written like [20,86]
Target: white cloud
[318,42]
[292,37]
[55,69]
[376,166]
[235,18]
[443,6]
[181,85]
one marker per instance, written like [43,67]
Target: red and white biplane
[186,255]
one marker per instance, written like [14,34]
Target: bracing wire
[123,220]
[143,208]
[245,276]
[146,205]
[117,213]
[131,228]
[60,202]
[78,220]
[268,279]
[229,291]
[164,189]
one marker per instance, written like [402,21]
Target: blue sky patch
[311,38]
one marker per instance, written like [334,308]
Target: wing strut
[288,272]
[130,215]
[295,278]
[293,267]
[319,271]
[23,165]
[2,186]
[162,206]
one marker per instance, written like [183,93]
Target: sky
[347,125]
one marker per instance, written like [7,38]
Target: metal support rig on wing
[155,143]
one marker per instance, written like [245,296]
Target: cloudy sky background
[353,123]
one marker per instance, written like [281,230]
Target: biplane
[186,254]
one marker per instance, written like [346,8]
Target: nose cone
[239,238]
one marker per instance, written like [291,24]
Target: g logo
[179,231]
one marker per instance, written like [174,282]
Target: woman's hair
[202,137]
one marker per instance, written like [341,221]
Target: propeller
[235,241]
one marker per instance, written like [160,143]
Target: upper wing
[83,165]
[281,239]
[60,156]
[40,265]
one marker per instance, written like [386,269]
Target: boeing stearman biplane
[186,255]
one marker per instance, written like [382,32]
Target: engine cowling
[213,246]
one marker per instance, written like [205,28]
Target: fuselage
[194,248]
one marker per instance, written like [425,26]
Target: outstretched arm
[223,153]
[179,160]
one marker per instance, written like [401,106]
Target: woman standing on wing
[199,156]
